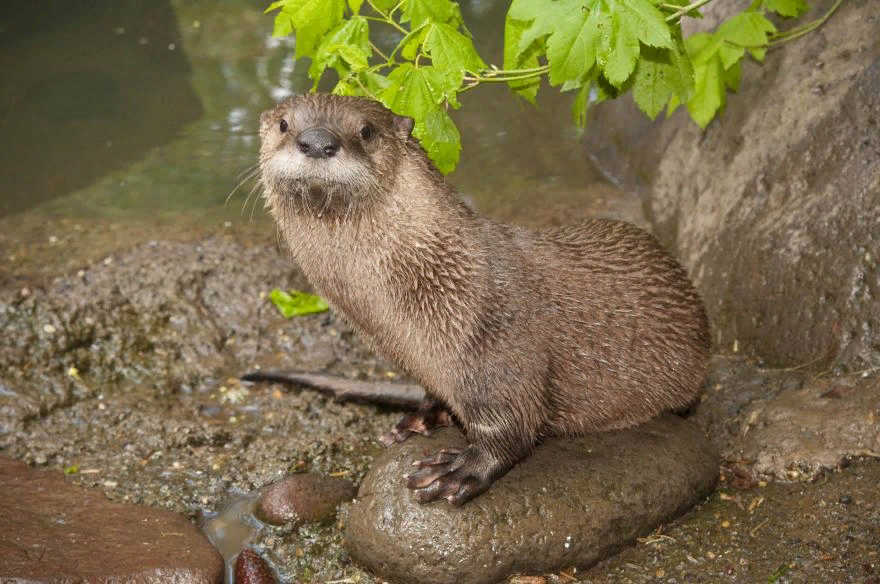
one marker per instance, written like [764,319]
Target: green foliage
[598,48]
[297,303]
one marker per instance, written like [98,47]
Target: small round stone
[301,498]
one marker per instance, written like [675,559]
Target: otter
[518,335]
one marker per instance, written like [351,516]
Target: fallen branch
[401,395]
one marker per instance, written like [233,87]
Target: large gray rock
[775,208]
[54,531]
[572,503]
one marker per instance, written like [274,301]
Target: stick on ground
[388,393]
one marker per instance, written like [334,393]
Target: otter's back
[632,335]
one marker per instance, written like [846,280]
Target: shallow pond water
[122,109]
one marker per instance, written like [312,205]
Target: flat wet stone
[572,503]
[804,432]
[54,531]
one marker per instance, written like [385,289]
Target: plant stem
[796,33]
[500,76]
[494,72]
[685,9]
[364,88]
[387,17]
[379,51]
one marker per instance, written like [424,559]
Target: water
[132,121]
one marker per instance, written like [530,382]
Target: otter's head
[329,155]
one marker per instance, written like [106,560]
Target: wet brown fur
[522,334]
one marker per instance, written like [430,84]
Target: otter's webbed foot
[455,474]
[422,421]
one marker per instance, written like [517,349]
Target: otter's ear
[403,127]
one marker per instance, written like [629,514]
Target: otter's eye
[367,132]
[283,126]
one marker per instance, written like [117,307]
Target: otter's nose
[318,143]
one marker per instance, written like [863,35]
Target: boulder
[572,503]
[775,207]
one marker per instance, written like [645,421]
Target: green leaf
[709,94]
[452,51]
[542,22]
[732,77]
[346,47]
[374,83]
[528,10]
[385,5]
[610,32]
[758,54]
[703,47]
[571,49]
[283,25]
[310,20]
[419,12]
[648,22]
[658,78]
[440,138]
[355,5]
[275,6]
[619,51]
[730,54]
[414,91]
[346,87]
[747,30]
[651,89]
[353,55]
[297,303]
[573,84]
[514,59]
[73,469]
[787,8]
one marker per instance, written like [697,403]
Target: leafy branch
[598,48]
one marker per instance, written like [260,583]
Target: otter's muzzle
[318,143]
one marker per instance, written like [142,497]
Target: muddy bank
[123,373]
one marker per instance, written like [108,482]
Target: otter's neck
[411,258]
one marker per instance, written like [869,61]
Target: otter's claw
[455,474]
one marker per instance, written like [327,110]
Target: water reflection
[85,89]
[120,109]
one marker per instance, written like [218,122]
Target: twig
[401,395]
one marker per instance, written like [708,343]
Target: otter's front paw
[421,422]
[455,474]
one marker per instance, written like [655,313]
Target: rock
[803,432]
[54,531]
[788,425]
[300,498]
[251,568]
[572,503]
[774,208]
